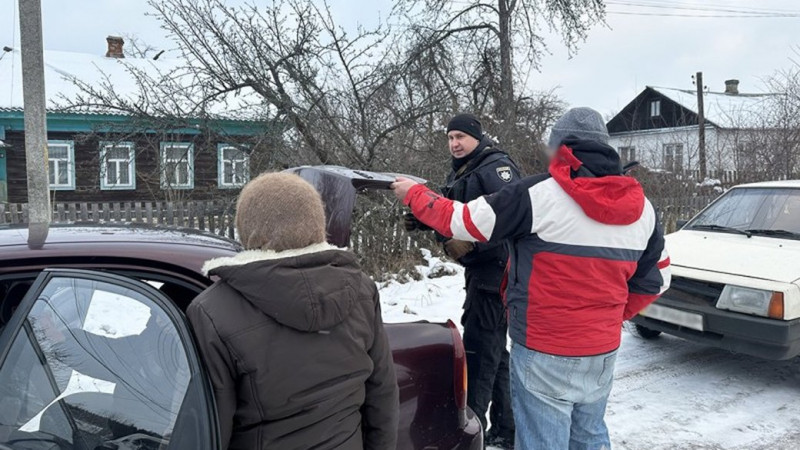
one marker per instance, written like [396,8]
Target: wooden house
[659,128]
[106,156]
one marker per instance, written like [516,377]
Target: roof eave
[12,119]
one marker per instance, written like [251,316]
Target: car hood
[759,257]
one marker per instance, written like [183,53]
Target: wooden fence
[213,216]
[670,210]
[218,217]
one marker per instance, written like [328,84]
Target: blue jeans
[559,402]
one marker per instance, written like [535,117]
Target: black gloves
[411,223]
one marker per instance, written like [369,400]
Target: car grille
[694,291]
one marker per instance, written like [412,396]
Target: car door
[92,360]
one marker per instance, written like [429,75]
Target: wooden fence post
[201,216]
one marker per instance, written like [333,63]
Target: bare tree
[138,47]
[339,91]
[513,27]
[374,98]
[784,116]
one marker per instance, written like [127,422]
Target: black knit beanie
[468,124]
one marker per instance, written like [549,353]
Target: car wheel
[646,333]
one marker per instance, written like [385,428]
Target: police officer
[480,168]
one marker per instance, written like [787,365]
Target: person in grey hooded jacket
[291,332]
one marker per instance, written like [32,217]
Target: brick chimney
[115,44]
[732,87]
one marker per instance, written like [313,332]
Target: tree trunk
[505,107]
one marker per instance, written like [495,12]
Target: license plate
[674,316]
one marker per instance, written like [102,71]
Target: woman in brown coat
[292,334]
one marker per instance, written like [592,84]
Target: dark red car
[95,352]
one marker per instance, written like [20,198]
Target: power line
[694,6]
[726,16]
[679,3]
[696,10]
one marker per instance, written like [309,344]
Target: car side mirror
[680,223]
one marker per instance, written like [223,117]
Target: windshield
[766,211]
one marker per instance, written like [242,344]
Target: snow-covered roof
[721,109]
[63,68]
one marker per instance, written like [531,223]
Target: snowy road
[674,394]
[668,393]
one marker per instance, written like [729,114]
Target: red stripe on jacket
[472,229]
[436,212]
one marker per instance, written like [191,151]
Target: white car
[736,274]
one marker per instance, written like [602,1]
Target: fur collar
[251,256]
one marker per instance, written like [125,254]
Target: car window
[12,291]
[754,208]
[96,364]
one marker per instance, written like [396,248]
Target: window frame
[671,168]
[627,153]
[70,186]
[189,147]
[221,184]
[745,154]
[655,108]
[104,186]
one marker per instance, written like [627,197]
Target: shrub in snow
[440,270]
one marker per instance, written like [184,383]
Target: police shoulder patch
[505,173]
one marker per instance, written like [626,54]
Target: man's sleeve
[499,175]
[652,276]
[381,408]
[492,218]
[218,361]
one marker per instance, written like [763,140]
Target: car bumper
[741,333]
[472,435]
[469,437]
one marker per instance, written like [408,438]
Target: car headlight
[751,301]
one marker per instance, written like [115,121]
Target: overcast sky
[616,62]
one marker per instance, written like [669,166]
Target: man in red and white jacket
[586,253]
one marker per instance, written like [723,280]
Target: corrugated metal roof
[724,110]
[20,109]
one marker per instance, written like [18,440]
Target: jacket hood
[310,289]
[591,173]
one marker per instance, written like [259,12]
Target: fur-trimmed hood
[309,289]
[251,256]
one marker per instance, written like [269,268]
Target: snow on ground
[668,393]
[433,299]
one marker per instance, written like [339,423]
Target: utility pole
[701,124]
[39,212]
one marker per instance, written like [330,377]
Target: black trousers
[485,342]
